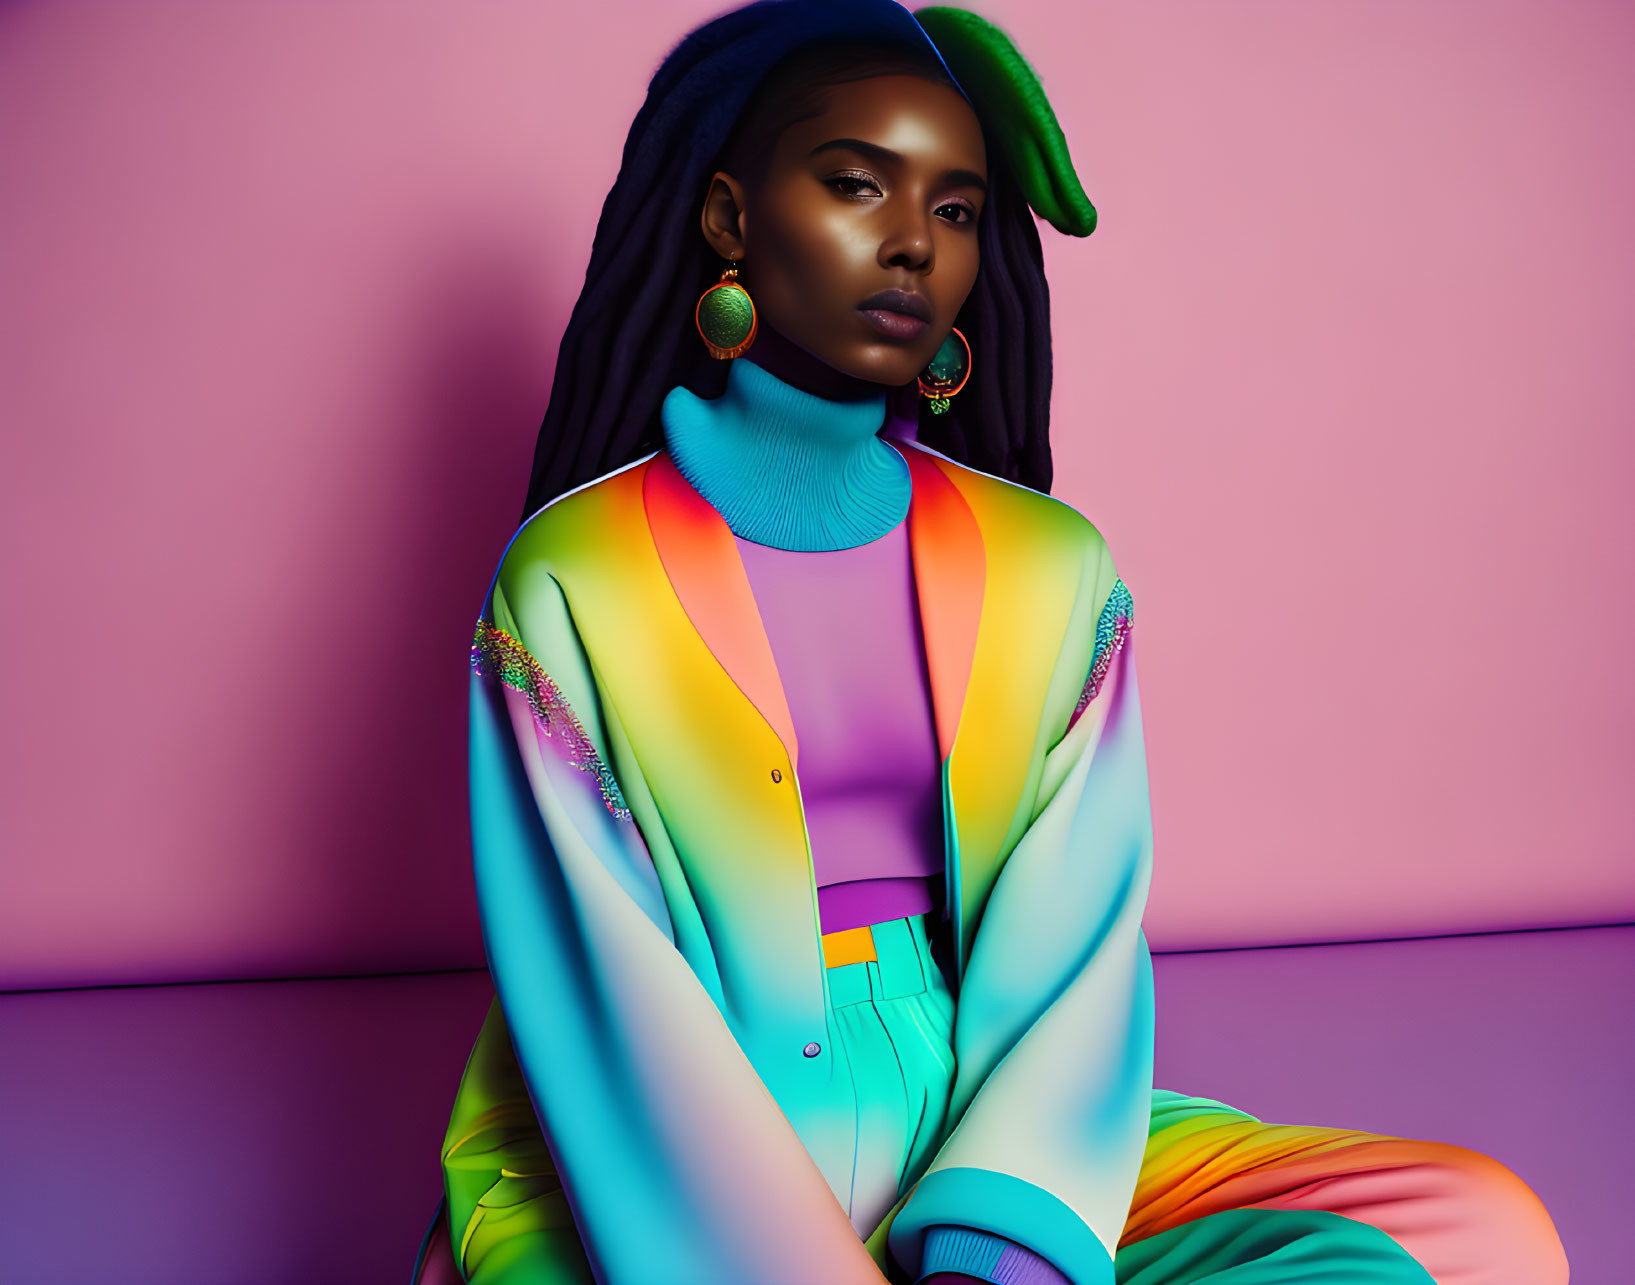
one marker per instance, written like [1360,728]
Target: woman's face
[860,244]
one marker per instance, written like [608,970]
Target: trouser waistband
[887,960]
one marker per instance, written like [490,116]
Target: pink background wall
[1343,376]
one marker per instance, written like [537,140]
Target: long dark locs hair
[631,338]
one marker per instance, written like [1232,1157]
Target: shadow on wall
[450,482]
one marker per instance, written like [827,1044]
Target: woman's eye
[959,208]
[850,183]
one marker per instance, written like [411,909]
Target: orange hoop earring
[946,372]
[725,316]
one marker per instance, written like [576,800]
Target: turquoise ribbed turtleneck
[788,468]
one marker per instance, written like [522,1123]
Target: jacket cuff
[1006,1207]
[985,1256]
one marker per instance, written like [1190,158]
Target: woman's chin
[865,356]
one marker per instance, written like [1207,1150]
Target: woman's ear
[722,219]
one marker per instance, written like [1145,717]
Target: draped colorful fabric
[655,1098]
[662,976]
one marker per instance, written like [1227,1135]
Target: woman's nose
[909,243]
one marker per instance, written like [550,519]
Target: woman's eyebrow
[964,178]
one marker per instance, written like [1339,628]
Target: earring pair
[726,320]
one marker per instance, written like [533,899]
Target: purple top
[845,631]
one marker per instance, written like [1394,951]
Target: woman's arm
[1053,1032]
[676,1164]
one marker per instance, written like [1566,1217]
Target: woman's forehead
[916,119]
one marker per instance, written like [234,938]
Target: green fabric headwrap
[1007,92]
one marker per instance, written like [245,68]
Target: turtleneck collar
[785,467]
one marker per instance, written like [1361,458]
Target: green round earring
[947,371]
[725,316]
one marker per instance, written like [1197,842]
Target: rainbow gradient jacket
[649,911]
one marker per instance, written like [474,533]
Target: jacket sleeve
[1054,1026]
[675,1162]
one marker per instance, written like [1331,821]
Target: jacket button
[812,1049]
[777,775]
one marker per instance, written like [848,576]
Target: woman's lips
[894,325]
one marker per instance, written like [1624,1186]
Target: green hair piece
[1006,90]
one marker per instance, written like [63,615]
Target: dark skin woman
[870,208]
[852,206]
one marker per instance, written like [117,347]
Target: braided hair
[720,99]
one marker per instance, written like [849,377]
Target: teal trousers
[895,1016]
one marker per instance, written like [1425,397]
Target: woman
[889,1017]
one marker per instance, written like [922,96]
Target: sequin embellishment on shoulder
[508,660]
[1112,628]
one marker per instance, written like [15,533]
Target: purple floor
[282,1132]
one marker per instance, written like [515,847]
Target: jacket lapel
[950,575]
[696,546]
